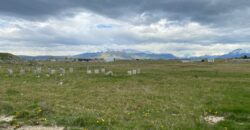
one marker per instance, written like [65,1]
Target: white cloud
[171,31]
[82,33]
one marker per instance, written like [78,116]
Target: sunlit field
[165,95]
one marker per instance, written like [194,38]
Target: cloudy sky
[68,27]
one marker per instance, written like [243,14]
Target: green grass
[166,95]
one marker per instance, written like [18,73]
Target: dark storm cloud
[204,11]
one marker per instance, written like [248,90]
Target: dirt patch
[7,128]
[34,128]
[40,128]
[6,118]
[10,118]
[213,119]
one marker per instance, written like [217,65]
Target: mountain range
[236,54]
[133,54]
[126,54]
[233,54]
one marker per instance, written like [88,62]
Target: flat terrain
[166,95]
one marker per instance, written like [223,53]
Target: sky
[68,27]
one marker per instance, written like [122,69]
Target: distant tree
[245,57]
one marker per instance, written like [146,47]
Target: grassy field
[166,95]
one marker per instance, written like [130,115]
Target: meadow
[166,95]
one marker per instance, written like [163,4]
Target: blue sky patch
[104,26]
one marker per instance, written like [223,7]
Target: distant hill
[236,54]
[7,57]
[125,54]
[233,54]
[40,58]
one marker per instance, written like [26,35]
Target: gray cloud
[48,23]
[204,11]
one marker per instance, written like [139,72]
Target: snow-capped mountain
[236,53]
[126,54]
[134,54]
